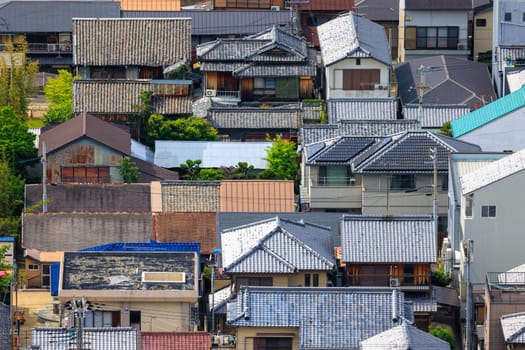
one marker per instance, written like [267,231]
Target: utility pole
[44,180]
[433,156]
[420,89]
[468,325]
[216,253]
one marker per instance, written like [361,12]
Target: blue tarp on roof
[7,239]
[151,246]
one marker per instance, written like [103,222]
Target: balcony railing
[388,281]
[335,181]
[506,280]
[86,179]
[44,48]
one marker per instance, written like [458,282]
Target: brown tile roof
[130,41]
[190,196]
[175,340]
[187,227]
[257,196]
[74,231]
[85,125]
[122,96]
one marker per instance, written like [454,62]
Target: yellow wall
[245,335]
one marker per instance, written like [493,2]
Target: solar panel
[345,149]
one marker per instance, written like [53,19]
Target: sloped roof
[122,97]
[327,318]
[404,337]
[379,239]
[276,246]
[131,41]
[45,338]
[513,326]
[361,109]
[495,171]
[426,5]
[434,115]
[151,246]
[255,118]
[175,340]
[488,113]
[380,10]
[448,80]
[342,150]
[85,125]
[350,35]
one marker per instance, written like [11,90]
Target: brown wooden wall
[306,87]
[247,89]
[221,81]
[379,274]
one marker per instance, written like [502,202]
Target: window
[468,206]
[334,175]
[481,22]
[431,38]
[444,185]
[85,174]
[488,211]
[316,280]
[102,319]
[33,267]
[284,88]
[46,276]
[134,319]
[357,61]
[360,79]
[523,16]
[408,274]
[307,280]
[273,343]
[255,281]
[264,86]
[402,182]
[508,16]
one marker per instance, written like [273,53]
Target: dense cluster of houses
[342,259]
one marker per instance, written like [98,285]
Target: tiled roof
[488,113]
[151,246]
[82,125]
[426,5]
[434,115]
[114,338]
[188,196]
[277,246]
[122,96]
[224,22]
[257,196]
[409,152]
[131,41]
[361,109]
[213,154]
[513,326]
[220,298]
[380,10]
[495,171]
[255,118]
[342,150]
[422,301]
[379,239]
[327,318]
[449,80]
[175,340]
[402,337]
[350,35]
[312,133]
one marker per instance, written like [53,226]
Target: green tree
[59,96]
[282,161]
[187,128]
[446,129]
[16,143]
[444,333]
[128,170]
[210,174]
[17,77]
[11,199]
[191,169]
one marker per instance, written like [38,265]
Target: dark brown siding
[247,89]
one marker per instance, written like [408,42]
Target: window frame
[469,204]
[30,267]
[507,17]
[481,22]
[402,182]
[419,38]
[488,211]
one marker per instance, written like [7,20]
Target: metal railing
[44,48]
[336,181]
[506,280]
[230,94]
[388,281]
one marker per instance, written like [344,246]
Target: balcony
[40,48]
[407,280]
[333,193]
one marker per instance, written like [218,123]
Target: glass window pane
[453,32]
[431,32]
[442,43]
[431,43]
[443,32]
[421,32]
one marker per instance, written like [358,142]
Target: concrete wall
[482,35]
[245,336]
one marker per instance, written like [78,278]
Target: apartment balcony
[422,281]
[335,193]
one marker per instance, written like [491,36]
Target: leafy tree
[446,129]
[16,143]
[17,76]
[444,333]
[11,199]
[210,174]
[282,161]
[59,96]
[191,169]
[179,72]
[187,128]
[241,171]
[440,277]
[128,170]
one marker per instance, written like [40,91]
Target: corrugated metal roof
[434,115]
[224,22]
[114,338]
[399,239]
[215,154]
[513,326]
[327,318]
[361,109]
[350,35]
[488,113]
[257,196]
[404,336]
[128,41]
[175,340]
[493,172]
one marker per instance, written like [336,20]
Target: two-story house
[429,28]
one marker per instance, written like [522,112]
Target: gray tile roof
[255,118]
[107,338]
[312,133]
[350,35]
[224,22]
[380,10]
[422,301]
[361,109]
[495,171]
[277,246]
[327,318]
[513,326]
[450,81]
[426,5]
[434,115]
[134,42]
[122,97]
[402,337]
[378,239]
[51,16]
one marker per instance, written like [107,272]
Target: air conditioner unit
[210,92]
[275,8]
[380,87]
[394,282]
[52,47]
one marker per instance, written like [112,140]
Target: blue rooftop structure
[7,239]
[151,246]
[489,113]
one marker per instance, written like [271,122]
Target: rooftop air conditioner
[52,47]
[275,8]
[394,282]
[210,92]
